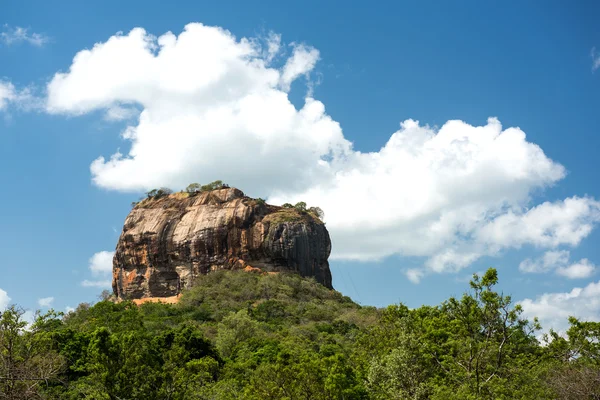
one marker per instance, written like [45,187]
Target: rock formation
[166,242]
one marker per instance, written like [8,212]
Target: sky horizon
[440,140]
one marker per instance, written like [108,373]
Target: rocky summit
[166,242]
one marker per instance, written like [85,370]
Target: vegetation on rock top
[288,213]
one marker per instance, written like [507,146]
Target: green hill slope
[240,335]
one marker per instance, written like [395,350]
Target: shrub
[193,188]
[213,186]
[158,193]
[300,206]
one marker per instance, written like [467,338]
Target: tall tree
[28,360]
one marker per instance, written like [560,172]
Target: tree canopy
[239,335]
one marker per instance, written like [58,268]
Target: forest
[241,335]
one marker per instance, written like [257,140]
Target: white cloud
[217,99]
[553,309]
[579,270]
[69,309]
[546,225]
[4,299]
[414,275]
[7,94]
[45,302]
[18,35]
[451,260]
[595,59]
[549,261]
[119,113]
[302,61]
[104,283]
[213,107]
[21,99]
[101,263]
[558,261]
[273,46]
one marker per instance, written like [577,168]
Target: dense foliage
[239,335]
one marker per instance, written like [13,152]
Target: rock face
[167,242]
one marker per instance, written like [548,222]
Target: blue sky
[433,210]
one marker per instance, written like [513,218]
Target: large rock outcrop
[167,242]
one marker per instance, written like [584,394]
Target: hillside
[249,335]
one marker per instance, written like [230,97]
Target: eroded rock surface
[167,242]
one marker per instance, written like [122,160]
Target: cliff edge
[168,241]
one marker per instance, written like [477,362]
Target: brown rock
[167,242]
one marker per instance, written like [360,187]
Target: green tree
[475,347]
[213,186]
[193,188]
[120,366]
[398,368]
[233,330]
[189,362]
[487,349]
[575,373]
[158,193]
[300,206]
[28,360]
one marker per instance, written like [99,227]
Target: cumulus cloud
[217,107]
[595,59]
[4,299]
[205,98]
[579,270]
[414,274]
[10,36]
[548,262]
[546,225]
[553,309]
[558,261]
[100,264]
[45,301]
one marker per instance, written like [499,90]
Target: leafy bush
[158,193]
[195,188]
[300,206]
[213,186]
